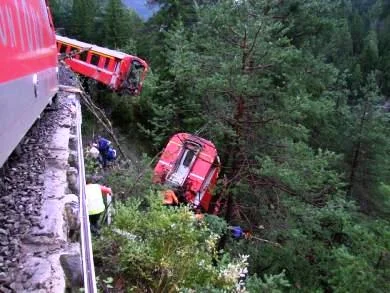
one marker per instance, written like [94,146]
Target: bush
[152,248]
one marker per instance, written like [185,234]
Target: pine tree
[370,146]
[83,17]
[121,25]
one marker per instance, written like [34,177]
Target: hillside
[293,95]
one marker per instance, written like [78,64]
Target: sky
[140,7]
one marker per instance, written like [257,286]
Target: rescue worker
[170,198]
[106,151]
[93,152]
[95,203]
[238,233]
[103,144]
[111,154]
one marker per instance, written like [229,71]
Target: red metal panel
[90,70]
[27,40]
[28,68]
[196,184]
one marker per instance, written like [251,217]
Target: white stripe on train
[21,103]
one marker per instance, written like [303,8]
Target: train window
[83,56]
[95,59]
[107,62]
[188,158]
[63,48]
[73,51]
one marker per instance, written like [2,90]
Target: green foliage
[362,265]
[119,23]
[82,19]
[295,96]
[369,138]
[273,283]
[351,273]
[133,181]
[370,54]
[309,174]
[91,165]
[153,247]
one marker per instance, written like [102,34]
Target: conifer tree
[83,19]
[120,24]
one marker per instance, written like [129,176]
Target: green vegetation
[295,94]
[151,247]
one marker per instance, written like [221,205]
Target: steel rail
[86,243]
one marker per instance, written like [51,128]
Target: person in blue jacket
[107,152]
[238,233]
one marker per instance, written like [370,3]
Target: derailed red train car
[190,165]
[28,68]
[121,72]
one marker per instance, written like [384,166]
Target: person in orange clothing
[170,198]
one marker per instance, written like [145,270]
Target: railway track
[30,222]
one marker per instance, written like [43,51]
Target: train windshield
[135,76]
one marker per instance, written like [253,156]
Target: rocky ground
[25,201]
[21,192]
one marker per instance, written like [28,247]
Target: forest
[295,94]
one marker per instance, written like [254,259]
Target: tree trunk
[356,153]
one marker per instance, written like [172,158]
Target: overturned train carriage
[189,165]
[121,72]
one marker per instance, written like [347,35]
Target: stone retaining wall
[48,246]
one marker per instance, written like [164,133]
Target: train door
[134,77]
[183,167]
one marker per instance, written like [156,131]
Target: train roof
[93,47]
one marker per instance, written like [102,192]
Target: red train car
[28,68]
[190,165]
[119,71]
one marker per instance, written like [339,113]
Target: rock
[39,269]
[21,201]
[73,142]
[40,240]
[73,220]
[5,290]
[73,159]
[72,176]
[27,285]
[71,265]
[4,278]
[16,287]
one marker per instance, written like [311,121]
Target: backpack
[103,144]
[111,154]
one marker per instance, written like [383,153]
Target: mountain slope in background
[141,8]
